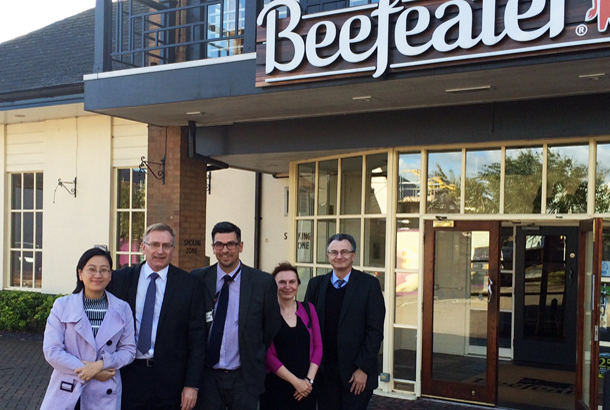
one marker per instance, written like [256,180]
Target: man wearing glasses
[242,316]
[167,304]
[351,311]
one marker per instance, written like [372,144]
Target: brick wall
[181,202]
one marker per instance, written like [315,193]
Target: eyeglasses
[156,245]
[343,252]
[219,245]
[92,271]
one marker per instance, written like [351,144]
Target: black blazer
[259,319]
[181,333]
[360,330]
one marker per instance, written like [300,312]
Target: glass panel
[588,316]
[322,271]
[482,194]
[28,230]
[16,268]
[409,183]
[27,277]
[374,242]
[305,241]
[602,179]
[39,186]
[351,186]
[567,179]
[38,270]
[327,187]
[444,179]
[460,305]
[138,226]
[508,245]
[219,48]
[407,288]
[213,25]
[326,229]
[229,18]
[604,366]
[523,181]
[138,200]
[28,191]
[604,322]
[376,184]
[505,334]
[242,17]
[16,191]
[545,286]
[122,229]
[38,230]
[407,244]
[122,189]
[305,276]
[352,227]
[506,273]
[405,354]
[135,259]
[380,276]
[305,190]
[16,230]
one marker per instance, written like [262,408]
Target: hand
[358,382]
[89,370]
[105,375]
[189,398]
[302,388]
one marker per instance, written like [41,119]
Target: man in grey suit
[242,316]
[351,311]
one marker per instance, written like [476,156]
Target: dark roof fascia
[42,96]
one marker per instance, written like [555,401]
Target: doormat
[529,383]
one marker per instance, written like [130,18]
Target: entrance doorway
[502,312]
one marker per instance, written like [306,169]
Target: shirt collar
[334,278]
[220,274]
[147,270]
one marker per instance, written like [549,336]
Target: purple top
[315,340]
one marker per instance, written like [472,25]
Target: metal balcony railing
[148,32]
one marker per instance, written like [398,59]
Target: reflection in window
[376,184]
[567,176]
[405,354]
[130,216]
[602,179]
[409,183]
[26,230]
[304,276]
[374,242]
[351,186]
[444,182]
[327,187]
[305,241]
[305,190]
[407,243]
[352,227]
[523,182]
[482,194]
[326,229]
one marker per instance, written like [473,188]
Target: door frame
[468,392]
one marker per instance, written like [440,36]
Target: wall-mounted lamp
[160,174]
[71,191]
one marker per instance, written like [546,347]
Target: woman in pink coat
[89,336]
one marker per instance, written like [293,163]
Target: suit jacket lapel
[350,290]
[210,282]
[133,289]
[321,298]
[170,291]
[245,292]
[75,313]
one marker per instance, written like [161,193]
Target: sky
[19,17]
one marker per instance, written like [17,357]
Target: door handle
[489,291]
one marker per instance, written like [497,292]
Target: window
[26,230]
[130,216]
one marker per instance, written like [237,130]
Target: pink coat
[68,339]
[315,340]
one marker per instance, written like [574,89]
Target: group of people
[227,336]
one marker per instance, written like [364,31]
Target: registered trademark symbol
[581,30]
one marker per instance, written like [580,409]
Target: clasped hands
[94,370]
[302,389]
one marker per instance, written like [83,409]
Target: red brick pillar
[181,202]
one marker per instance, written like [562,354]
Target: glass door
[461,310]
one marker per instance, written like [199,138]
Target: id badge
[209,316]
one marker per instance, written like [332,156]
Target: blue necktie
[340,283]
[212,353]
[147,315]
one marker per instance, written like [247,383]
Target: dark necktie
[147,315]
[340,283]
[212,353]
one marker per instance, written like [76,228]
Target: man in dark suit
[243,316]
[351,311]
[167,304]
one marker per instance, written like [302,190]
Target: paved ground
[24,375]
